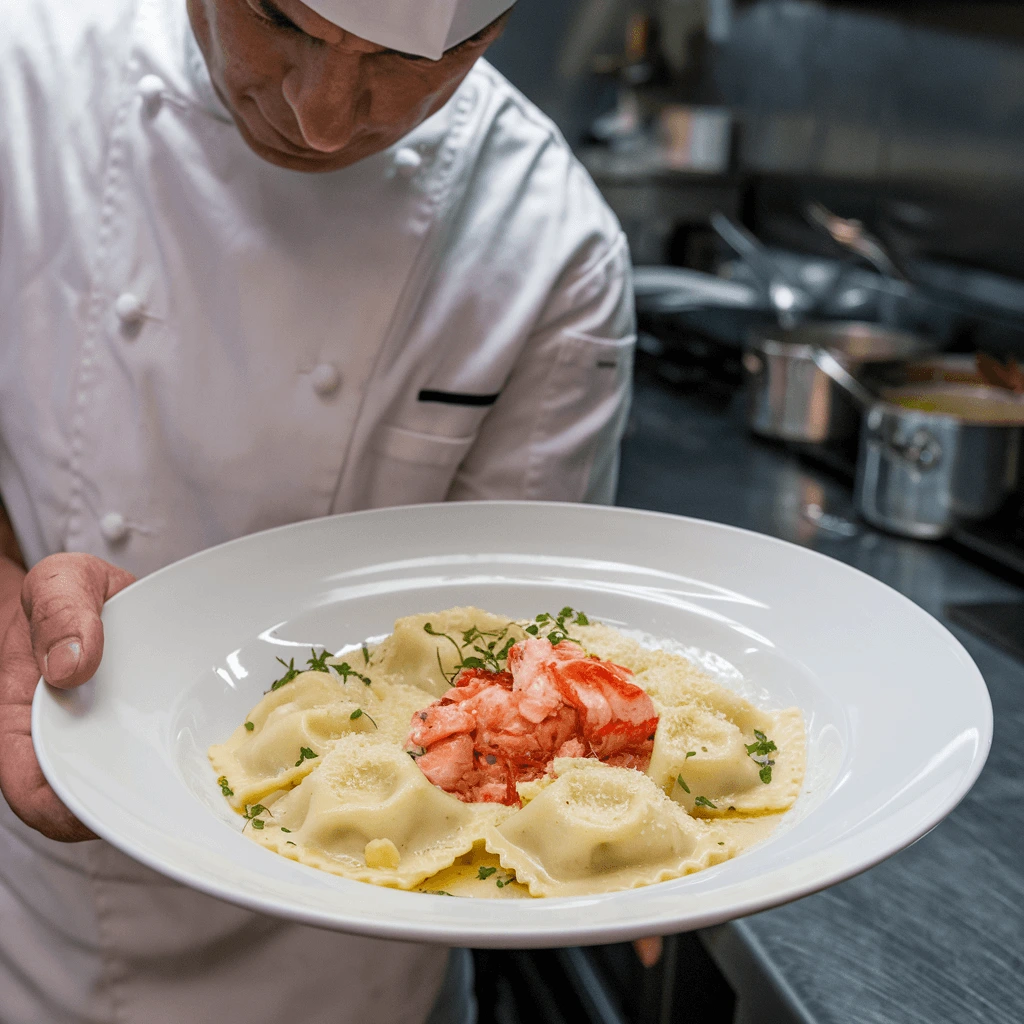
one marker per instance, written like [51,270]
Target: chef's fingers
[21,780]
[648,950]
[62,597]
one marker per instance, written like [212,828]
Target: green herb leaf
[249,726]
[533,630]
[283,829]
[484,873]
[224,787]
[290,843]
[759,752]
[290,673]
[689,754]
[358,713]
[703,801]
[345,670]
[366,655]
[251,815]
[318,663]
[305,754]
[685,787]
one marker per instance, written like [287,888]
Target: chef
[260,261]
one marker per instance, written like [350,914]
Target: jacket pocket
[412,468]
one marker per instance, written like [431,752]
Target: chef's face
[309,96]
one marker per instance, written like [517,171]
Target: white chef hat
[424,27]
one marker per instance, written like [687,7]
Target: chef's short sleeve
[554,433]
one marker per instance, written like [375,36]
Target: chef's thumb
[62,596]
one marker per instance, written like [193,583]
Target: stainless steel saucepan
[790,398]
[933,456]
[937,455]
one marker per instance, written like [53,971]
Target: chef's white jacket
[195,344]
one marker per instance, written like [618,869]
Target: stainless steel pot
[791,399]
[923,470]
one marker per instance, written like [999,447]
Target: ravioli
[600,829]
[325,769]
[368,813]
[310,713]
[702,753]
[428,659]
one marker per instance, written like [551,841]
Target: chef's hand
[54,630]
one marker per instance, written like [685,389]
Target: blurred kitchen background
[825,204]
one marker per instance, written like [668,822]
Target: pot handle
[832,368]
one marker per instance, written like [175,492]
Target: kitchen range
[831,327]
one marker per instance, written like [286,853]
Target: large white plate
[899,720]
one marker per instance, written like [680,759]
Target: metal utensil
[853,236]
[790,300]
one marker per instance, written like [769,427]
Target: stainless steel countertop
[936,933]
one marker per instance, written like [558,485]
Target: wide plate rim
[526,935]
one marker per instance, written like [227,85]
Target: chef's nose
[323,94]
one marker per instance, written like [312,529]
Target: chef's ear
[62,597]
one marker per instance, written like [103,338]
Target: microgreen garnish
[439,892]
[289,842]
[345,670]
[489,649]
[484,873]
[689,754]
[480,648]
[685,787]
[758,753]
[283,829]
[251,815]
[249,726]
[290,673]
[561,622]
[502,882]
[318,663]
[305,754]
[703,801]
[721,844]
[224,787]
[358,713]
[366,654]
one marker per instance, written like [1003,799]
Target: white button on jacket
[312,344]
